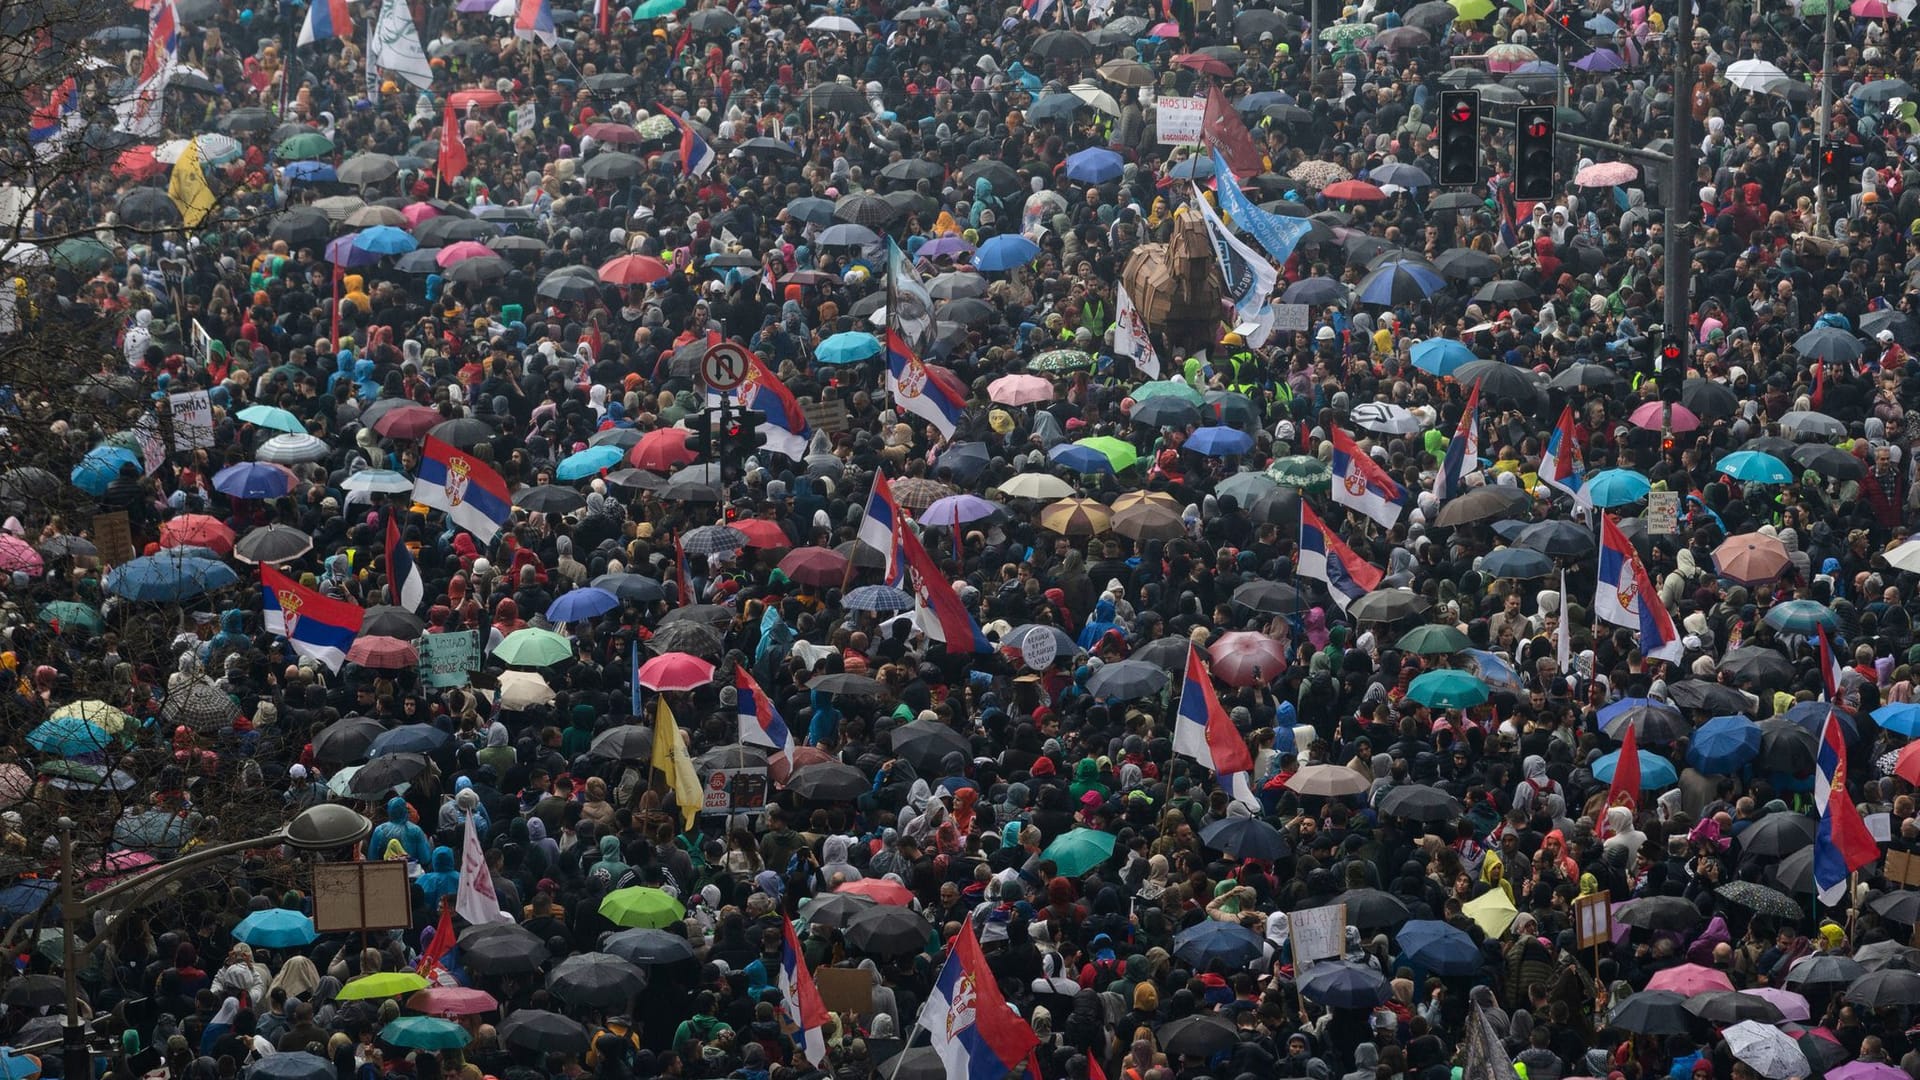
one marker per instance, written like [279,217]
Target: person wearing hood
[441,881]
[399,829]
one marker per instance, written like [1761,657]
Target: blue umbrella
[275,928]
[342,252]
[409,739]
[294,1065]
[1245,837]
[1901,718]
[15,1065]
[1441,948]
[1341,985]
[579,605]
[848,348]
[1080,459]
[1754,467]
[1802,617]
[877,598]
[1517,562]
[1399,281]
[1602,26]
[25,898]
[1812,715]
[1005,252]
[1209,942]
[1095,165]
[967,460]
[1411,177]
[1220,441]
[385,240]
[165,578]
[310,171]
[1439,356]
[1256,102]
[1194,168]
[68,736]
[1724,744]
[100,467]
[1655,771]
[1616,487]
[589,462]
[253,480]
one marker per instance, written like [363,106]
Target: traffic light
[745,434]
[1460,137]
[1672,357]
[1533,165]
[701,440]
[1839,171]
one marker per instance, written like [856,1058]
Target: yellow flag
[188,187]
[670,757]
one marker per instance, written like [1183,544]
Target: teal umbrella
[1655,771]
[1074,853]
[848,348]
[1447,689]
[72,613]
[533,647]
[268,416]
[425,1033]
[1616,487]
[1802,617]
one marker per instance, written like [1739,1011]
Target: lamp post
[317,828]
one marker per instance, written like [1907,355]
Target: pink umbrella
[1655,415]
[1165,30]
[1874,9]
[675,671]
[17,554]
[1245,659]
[1504,58]
[1791,1005]
[1020,390]
[1689,979]
[452,1001]
[416,213]
[460,252]
[878,889]
[1867,1070]
[116,866]
[1606,174]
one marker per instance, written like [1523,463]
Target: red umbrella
[1353,191]
[633,270]
[480,98]
[415,213]
[137,163]
[388,653]
[461,251]
[763,534]
[661,451]
[1907,765]
[780,769]
[1204,64]
[1245,659]
[815,566]
[675,671]
[879,889]
[617,134]
[452,1001]
[406,422]
[197,530]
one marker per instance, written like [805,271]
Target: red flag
[1221,127]
[1094,1071]
[1625,789]
[442,944]
[453,153]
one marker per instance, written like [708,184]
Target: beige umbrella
[1328,780]
[1035,485]
[1146,498]
[1149,521]
[1751,558]
[1076,517]
[1095,97]
[1128,73]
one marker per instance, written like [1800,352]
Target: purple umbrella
[1601,60]
[1865,1070]
[944,247]
[471,6]
[341,252]
[957,510]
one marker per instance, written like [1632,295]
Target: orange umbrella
[675,671]
[1353,191]
[197,530]
[880,889]
[763,534]
[1751,559]
[633,270]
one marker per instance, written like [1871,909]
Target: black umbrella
[1794,874]
[1759,664]
[1200,1036]
[611,81]
[998,174]
[919,1063]
[768,147]
[272,545]
[1498,378]
[1579,375]
[888,930]
[1387,605]
[848,684]
[970,311]
[390,621]
[1166,651]
[200,705]
[1776,835]
[1830,461]
[596,980]
[1267,597]
[1885,954]
[1902,907]
[384,773]
[68,546]
[549,499]
[34,992]
[1371,909]
[509,953]
[293,1065]
[345,741]
[569,287]
[1708,398]
[1245,837]
[1127,679]
[1899,323]
[1419,802]
[1725,1007]
[1757,897]
[1654,1012]
[466,432]
[925,744]
[1483,503]
[541,1031]
[1466,264]
[834,97]
[1505,291]
[1659,913]
[148,206]
[1061,45]
[1715,698]
[632,588]
[688,637]
[648,947]
[1828,969]
[828,781]
[478,271]
[713,21]
[301,225]
[1652,722]
[870,211]
[612,165]
[909,170]
[838,909]
[626,742]
[1786,745]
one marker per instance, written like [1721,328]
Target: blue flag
[634,670]
[1277,233]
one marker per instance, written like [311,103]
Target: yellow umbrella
[1147,498]
[98,713]
[1493,911]
[1473,10]
[1076,517]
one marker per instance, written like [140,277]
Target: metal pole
[1826,124]
[1679,244]
[76,1062]
[1598,144]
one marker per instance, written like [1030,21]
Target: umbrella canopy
[888,930]
[1079,850]
[1212,942]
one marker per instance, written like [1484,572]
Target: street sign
[724,367]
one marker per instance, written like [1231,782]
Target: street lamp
[318,828]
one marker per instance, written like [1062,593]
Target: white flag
[476,901]
[1249,276]
[1563,636]
[1130,335]
[394,45]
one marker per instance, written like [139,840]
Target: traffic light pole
[720,444]
[1679,238]
[1598,144]
[1820,193]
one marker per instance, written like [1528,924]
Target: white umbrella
[1767,1050]
[1905,557]
[1095,97]
[1754,75]
[21,253]
[293,449]
[382,481]
[834,24]
[1386,418]
[523,690]
[215,149]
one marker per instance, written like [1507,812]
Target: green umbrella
[642,907]
[381,984]
[1433,640]
[304,146]
[1302,472]
[1060,360]
[81,253]
[425,1033]
[654,9]
[1076,852]
[72,613]
[534,647]
[1118,451]
[1447,689]
[1176,388]
[1346,33]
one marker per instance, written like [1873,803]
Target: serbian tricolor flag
[468,489]
[534,21]
[1463,450]
[1625,596]
[1203,731]
[326,19]
[760,722]
[684,579]
[1561,466]
[404,584]
[453,152]
[603,16]
[800,1000]
[876,528]
[1830,669]
[927,391]
[1324,557]
[1359,483]
[786,423]
[53,121]
[319,627]
[938,610]
[696,157]
[1841,842]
